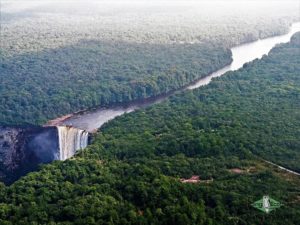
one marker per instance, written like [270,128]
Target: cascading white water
[70,140]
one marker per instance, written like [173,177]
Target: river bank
[94,119]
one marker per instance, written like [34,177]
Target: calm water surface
[241,54]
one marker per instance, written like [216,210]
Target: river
[94,119]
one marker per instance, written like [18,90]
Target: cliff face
[22,149]
[9,138]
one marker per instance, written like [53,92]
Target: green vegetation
[88,191]
[38,87]
[253,110]
[130,174]
[57,58]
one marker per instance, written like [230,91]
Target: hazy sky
[39,24]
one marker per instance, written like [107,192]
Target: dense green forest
[253,110]
[131,173]
[35,87]
[57,58]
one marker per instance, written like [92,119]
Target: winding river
[94,119]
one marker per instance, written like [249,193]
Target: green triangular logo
[266,204]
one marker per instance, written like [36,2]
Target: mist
[36,25]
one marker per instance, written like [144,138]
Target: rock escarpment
[22,149]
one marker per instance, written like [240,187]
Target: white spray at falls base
[70,140]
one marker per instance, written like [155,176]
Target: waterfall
[70,140]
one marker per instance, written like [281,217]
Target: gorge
[22,149]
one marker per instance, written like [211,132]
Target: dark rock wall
[22,149]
